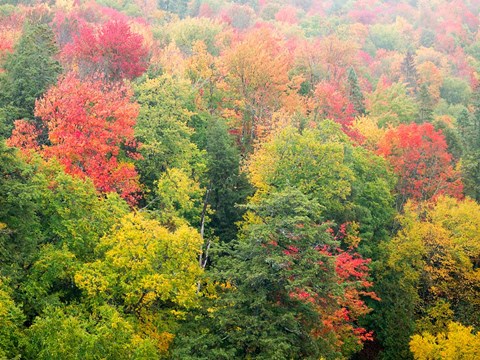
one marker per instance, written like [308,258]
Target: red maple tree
[418,155]
[112,50]
[89,127]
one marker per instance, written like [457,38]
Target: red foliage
[113,50]
[418,155]
[87,126]
[331,103]
[24,136]
[287,14]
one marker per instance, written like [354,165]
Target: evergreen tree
[469,127]
[355,93]
[30,69]
[425,105]
[179,7]
[227,185]
[409,72]
[282,287]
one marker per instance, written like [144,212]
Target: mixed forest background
[257,179]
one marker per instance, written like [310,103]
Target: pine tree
[355,93]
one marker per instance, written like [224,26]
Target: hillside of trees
[239,179]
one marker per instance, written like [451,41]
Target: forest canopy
[239,179]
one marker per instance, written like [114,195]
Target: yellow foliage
[442,242]
[144,262]
[458,342]
[368,127]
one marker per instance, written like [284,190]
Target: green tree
[355,93]
[30,70]
[469,129]
[352,184]
[280,290]
[163,128]
[425,105]
[409,72]
[227,184]
[11,323]
[391,105]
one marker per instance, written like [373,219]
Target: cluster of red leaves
[331,103]
[418,155]
[338,312]
[87,126]
[24,135]
[112,50]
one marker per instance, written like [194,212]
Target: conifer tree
[29,72]
[425,105]
[355,93]
[469,127]
[409,72]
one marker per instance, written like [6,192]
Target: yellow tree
[147,270]
[256,80]
[457,342]
[435,258]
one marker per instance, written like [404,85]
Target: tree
[147,271]
[164,129]
[391,105]
[355,93]
[113,51]
[11,319]
[432,260]
[227,183]
[418,155]
[332,104]
[352,184]
[469,128]
[409,72]
[425,105]
[30,70]
[256,79]
[179,7]
[290,292]
[71,332]
[457,341]
[90,131]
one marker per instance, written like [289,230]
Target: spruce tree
[355,93]
[470,130]
[425,105]
[409,72]
[30,70]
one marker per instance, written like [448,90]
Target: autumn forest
[240,179]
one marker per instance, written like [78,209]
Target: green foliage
[455,91]
[20,204]
[226,185]
[425,105]
[29,71]
[392,105]
[387,36]
[179,7]
[186,32]
[71,333]
[355,93]
[11,319]
[259,314]
[352,184]
[469,129]
[163,129]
